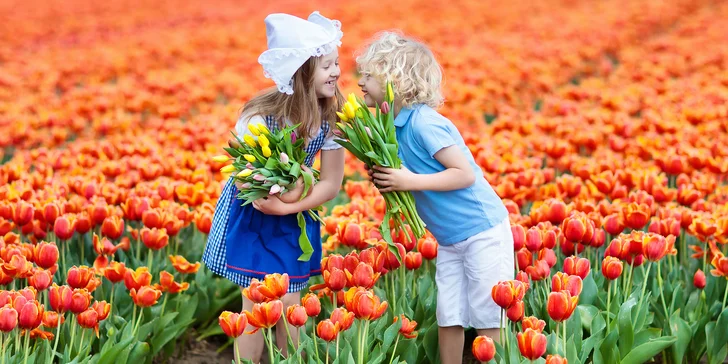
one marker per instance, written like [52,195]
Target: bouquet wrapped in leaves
[270,163]
[371,138]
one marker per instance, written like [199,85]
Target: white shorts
[466,273]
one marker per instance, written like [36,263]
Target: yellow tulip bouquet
[371,138]
[270,163]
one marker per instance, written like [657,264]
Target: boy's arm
[457,175]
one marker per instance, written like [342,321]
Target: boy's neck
[397,108]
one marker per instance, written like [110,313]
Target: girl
[460,208]
[262,238]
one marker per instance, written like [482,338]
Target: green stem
[58,333]
[366,337]
[337,345]
[133,315]
[80,343]
[288,332]
[27,343]
[395,349]
[138,249]
[725,298]
[563,324]
[402,279]
[327,352]
[270,345]
[298,343]
[315,341]
[111,300]
[662,294]
[609,298]
[644,287]
[150,260]
[237,354]
[73,331]
[136,326]
[164,303]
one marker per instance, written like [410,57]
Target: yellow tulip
[249,140]
[245,173]
[263,129]
[266,152]
[220,158]
[263,141]
[342,116]
[249,158]
[227,169]
[353,102]
[254,129]
[390,92]
[349,110]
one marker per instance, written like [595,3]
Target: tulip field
[603,126]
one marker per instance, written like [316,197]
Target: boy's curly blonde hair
[409,64]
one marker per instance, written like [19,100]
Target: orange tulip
[5,278]
[427,245]
[531,343]
[720,263]
[113,227]
[613,224]
[699,279]
[18,267]
[45,255]
[519,237]
[232,324]
[136,279]
[334,279]
[8,318]
[327,330]
[80,300]
[41,279]
[576,266]
[296,315]
[30,315]
[182,265]
[60,298]
[408,327]
[37,333]
[483,349]
[89,319]
[51,211]
[363,276]
[154,239]
[562,281]
[79,277]
[274,286]
[516,311]
[533,323]
[506,293]
[561,305]
[146,296]
[167,283]
[64,226]
[578,228]
[413,260]
[102,308]
[556,359]
[636,215]
[23,213]
[611,268]
[350,234]
[364,304]
[253,293]
[52,319]
[264,315]
[539,271]
[102,246]
[115,272]
[343,318]
[522,277]
[654,247]
[312,305]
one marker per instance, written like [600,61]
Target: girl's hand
[272,205]
[239,185]
[389,179]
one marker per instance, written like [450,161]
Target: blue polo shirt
[451,216]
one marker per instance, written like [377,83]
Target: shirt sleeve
[330,143]
[241,127]
[434,136]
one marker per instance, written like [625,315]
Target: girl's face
[373,89]
[327,74]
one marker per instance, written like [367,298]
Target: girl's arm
[458,174]
[327,188]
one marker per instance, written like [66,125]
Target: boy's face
[373,89]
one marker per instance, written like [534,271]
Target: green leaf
[146,329]
[139,352]
[720,336]
[589,291]
[626,331]
[303,242]
[680,329]
[271,164]
[295,169]
[431,345]
[609,352]
[587,313]
[390,335]
[648,350]
[109,356]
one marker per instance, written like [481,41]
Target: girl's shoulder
[245,119]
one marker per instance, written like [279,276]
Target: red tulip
[60,298]
[576,266]
[562,281]
[115,272]
[265,315]
[556,359]
[112,227]
[232,324]
[23,213]
[89,319]
[312,305]
[413,260]
[611,268]
[483,349]
[519,237]
[80,300]
[534,240]
[533,323]
[561,305]
[136,279]
[30,315]
[531,343]
[102,308]
[41,279]
[8,318]
[364,304]
[296,315]
[274,286]
[79,277]
[408,327]
[64,226]
[506,293]
[182,265]
[515,312]
[654,247]
[362,276]
[147,296]
[52,319]
[342,317]
[45,255]
[327,330]
[699,279]
[427,245]
[252,292]
[167,283]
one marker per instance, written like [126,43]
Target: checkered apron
[214,255]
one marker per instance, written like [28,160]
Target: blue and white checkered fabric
[215,253]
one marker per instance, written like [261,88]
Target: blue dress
[244,243]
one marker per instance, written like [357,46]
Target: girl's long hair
[302,107]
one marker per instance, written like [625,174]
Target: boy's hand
[390,179]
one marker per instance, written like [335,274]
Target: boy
[459,206]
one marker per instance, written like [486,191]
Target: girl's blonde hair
[303,106]
[410,65]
